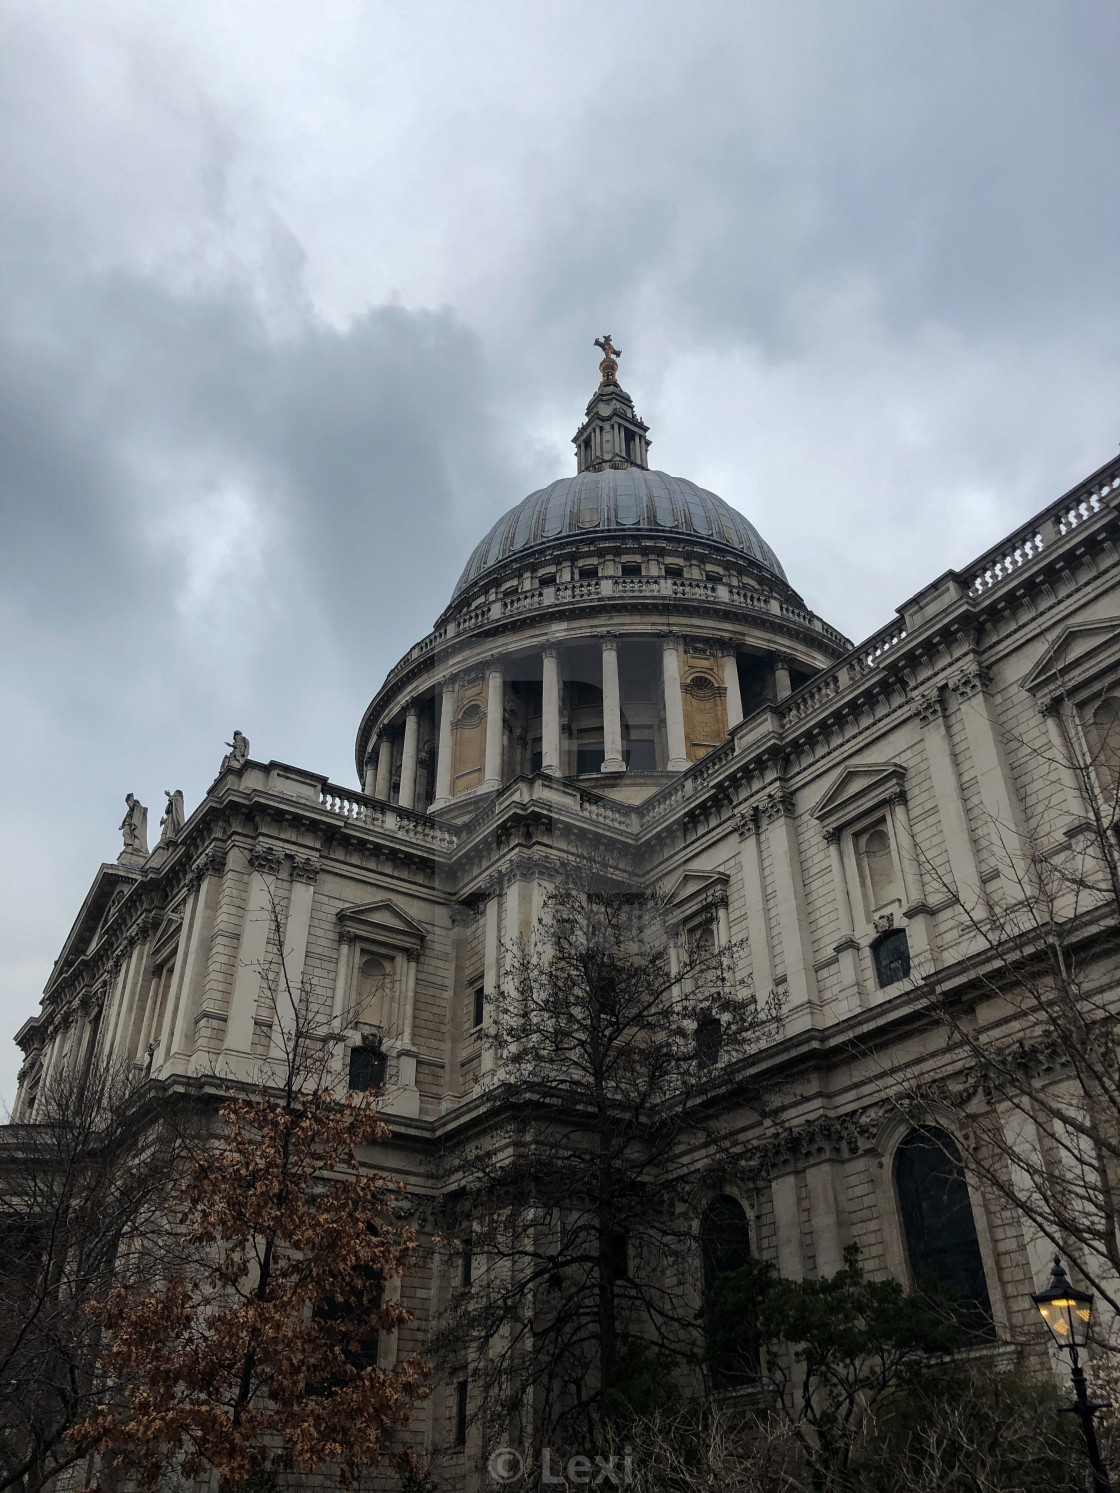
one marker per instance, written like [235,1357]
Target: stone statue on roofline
[134,828]
[237,755]
[174,816]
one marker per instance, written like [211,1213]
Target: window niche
[881,915]
[375,998]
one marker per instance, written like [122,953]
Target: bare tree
[83,1191]
[1025,1070]
[574,1208]
[255,1347]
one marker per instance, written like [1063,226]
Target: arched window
[938,1224]
[725,1245]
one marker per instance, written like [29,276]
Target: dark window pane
[938,1223]
[479,1005]
[468,1263]
[725,1245]
[709,1039]
[367,1068]
[461,1413]
[536,760]
[892,957]
[589,756]
[618,1254]
[641,754]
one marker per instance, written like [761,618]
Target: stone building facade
[624,671]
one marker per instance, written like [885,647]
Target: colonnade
[379,772]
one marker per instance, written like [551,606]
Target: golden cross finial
[608,367]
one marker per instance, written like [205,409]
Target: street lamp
[1066,1313]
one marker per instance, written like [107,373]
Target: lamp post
[1066,1313]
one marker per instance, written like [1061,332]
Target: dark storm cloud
[296,301]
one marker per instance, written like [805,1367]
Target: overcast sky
[298,298]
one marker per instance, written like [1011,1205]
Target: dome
[624,500]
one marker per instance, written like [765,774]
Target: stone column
[1064,756]
[1005,827]
[915,907]
[797,952]
[612,710]
[754,895]
[846,946]
[787,1226]
[407,795]
[731,685]
[782,685]
[550,710]
[723,924]
[495,726]
[674,708]
[341,978]
[407,1100]
[491,972]
[384,783]
[240,1023]
[963,867]
[289,994]
[443,753]
[825,1180]
[208,875]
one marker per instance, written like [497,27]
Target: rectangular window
[709,1039]
[675,572]
[367,1068]
[892,957]
[548,579]
[589,572]
[617,1248]
[467,1261]
[461,1413]
[479,1005]
[589,755]
[536,760]
[631,570]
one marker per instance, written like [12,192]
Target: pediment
[859,787]
[695,889]
[385,921]
[1076,657]
[111,879]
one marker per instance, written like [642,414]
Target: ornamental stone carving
[929,707]
[973,678]
[304,868]
[746,823]
[776,805]
[266,859]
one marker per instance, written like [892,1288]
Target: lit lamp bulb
[1065,1311]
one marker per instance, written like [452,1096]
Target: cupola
[611,435]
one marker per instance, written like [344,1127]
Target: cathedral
[624,673]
